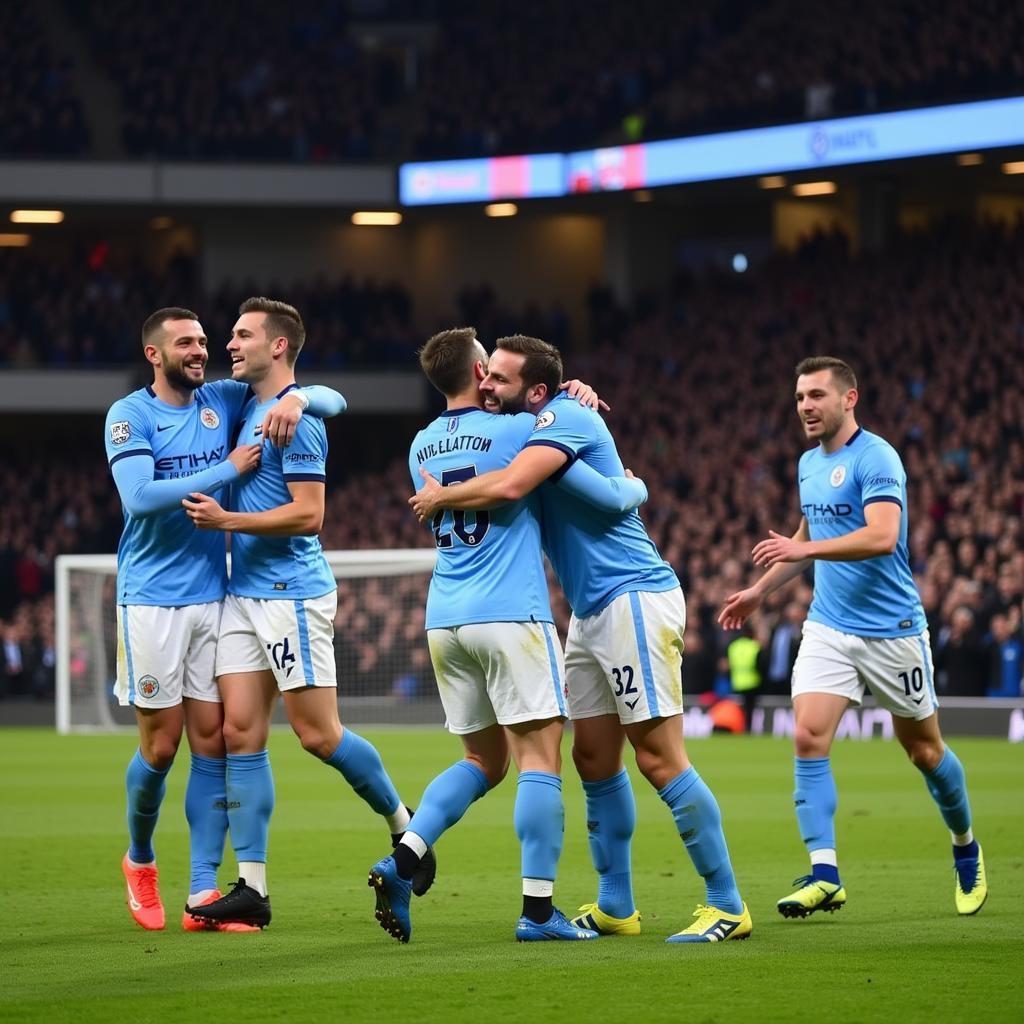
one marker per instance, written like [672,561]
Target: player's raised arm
[608,493]
[281,420]
[740,606]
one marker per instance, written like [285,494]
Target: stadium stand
[719,471]
[41,115]
[557,76]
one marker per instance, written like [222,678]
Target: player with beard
[623,652]
[162,442]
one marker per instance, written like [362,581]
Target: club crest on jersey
[149,686]
[209,418]
[545,419]
[453,424]
[120,432]
[838,476]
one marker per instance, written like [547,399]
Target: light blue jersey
[489,564]
[286,568]
[875,597]
[162,559]
[597,555]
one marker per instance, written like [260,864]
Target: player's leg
[899,672]
[598,741]
[947,783]
[206,808]
[825,682]
[444,802]
[662,759]
[248,699]
[150,652]
[540,825]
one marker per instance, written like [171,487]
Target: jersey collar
[459,412]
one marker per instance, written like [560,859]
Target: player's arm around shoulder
[303,467]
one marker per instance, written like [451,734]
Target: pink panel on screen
[510,177]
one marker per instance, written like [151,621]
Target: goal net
[384,673]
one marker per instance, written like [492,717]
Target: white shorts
[504,672]
[164,654]
[293,639]
[897,670]
[627,659]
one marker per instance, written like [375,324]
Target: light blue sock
[146,786]
[948,786]
[447,799]
[699,822]
[358,761]
[540,823]
[815,800]
[206,810]
[611,822]
[250,793]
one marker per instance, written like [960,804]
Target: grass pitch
[898,951]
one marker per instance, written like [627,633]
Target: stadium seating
[720,469]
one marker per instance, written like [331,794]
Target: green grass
[69,951]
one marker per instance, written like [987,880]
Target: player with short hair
[163,441]
[495,653]
[624,649]
[276,633]
[865,629]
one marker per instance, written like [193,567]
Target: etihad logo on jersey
[462,443]
[193,461]
[827,513]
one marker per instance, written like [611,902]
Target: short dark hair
[542,363]
[282,321]
[448,359]
[154,323]
[842,373]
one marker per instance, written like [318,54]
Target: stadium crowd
[452,83]
[40,114]
[720,467]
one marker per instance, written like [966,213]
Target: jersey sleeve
[565,425]
[324,402]
[127,432]
[880,474]
[610,494]
[306,457]
[143,496]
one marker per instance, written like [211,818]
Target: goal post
[384,673]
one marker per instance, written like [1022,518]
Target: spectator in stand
[1006,649]
[962,664]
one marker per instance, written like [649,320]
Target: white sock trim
[255,875]
[416,843]
[399,821]
[965,840]
[824,856]
[538,887]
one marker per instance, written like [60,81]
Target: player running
[276,633]
[162,442]
[865,629]
[624,649]
[496,656]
